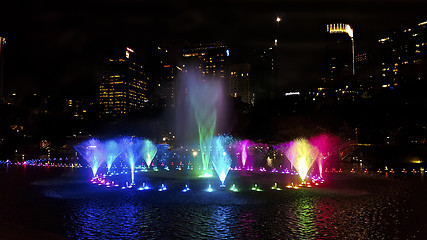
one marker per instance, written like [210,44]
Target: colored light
[233,188]
[206,175]
[301,154]
[186,189]
[144,187]
[148,151]
[209,189]
[275,187]
[162,188]
[256,188]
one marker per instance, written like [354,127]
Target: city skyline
[147,119]
[60,48]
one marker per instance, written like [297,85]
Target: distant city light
[292,93]
[278,19]
[228,52]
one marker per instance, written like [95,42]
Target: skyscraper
[265,75]
[123,87]
[364,70]
[402,56]
[240,82]
[210,60]
[265,83]
[2,52]
[340,69]
[162,79]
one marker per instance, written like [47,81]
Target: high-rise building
[240,82]
[162,79]
[265,75]
[166,86]
[2,52]
[265,82]
[210,60]
[123,87]
[340,68]
[402,56]
[364,67]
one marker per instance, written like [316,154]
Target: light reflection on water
[303,216]
[350,207]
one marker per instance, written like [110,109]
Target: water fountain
[302,155]
[205,98]
[113,150]
[326,144]
[148,151]
[243,148]
[132,148]
[220,157]
[93,151]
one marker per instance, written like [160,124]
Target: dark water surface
[41,203]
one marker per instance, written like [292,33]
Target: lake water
[59,203]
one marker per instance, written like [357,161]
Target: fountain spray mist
[113,150]
[148,151]
[205,102]
[93,152]
[302,155]
[221,159]
[132,145]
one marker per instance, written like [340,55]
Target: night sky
[55,46]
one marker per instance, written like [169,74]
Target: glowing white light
[209,189]
[292,93]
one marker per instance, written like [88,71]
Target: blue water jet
[93,152]
[221,159]
[113,150]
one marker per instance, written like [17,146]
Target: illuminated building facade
[80,107]
[2,47]
[340,69]
[123,87]
[402,56]
[240,82]
[210,60]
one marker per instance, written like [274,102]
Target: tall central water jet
[204,98]
[148,151]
